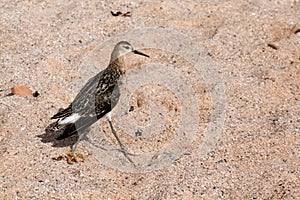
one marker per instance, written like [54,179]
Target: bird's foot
[126,153]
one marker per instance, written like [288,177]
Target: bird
[96,99]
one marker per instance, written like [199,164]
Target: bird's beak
[140,53]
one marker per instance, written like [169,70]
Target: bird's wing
[98,96]
[95,98]
[89,87]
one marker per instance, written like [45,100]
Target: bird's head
[123,48]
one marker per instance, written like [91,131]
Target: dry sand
[255,46]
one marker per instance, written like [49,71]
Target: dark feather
[64,113]
[98,97]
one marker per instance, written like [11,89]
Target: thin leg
[80,136]
[123,149]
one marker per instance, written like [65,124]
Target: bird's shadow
[51,136]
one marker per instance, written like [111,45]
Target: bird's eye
[127,47]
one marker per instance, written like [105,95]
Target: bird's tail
[79,126]
[63,113]
[56,126]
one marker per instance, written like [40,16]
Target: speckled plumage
[97,98]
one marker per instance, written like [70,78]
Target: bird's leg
[80,136]
[123,149]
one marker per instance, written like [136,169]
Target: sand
[212,114]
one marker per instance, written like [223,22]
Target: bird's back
[99,95]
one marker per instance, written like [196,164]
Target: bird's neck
[118,64]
